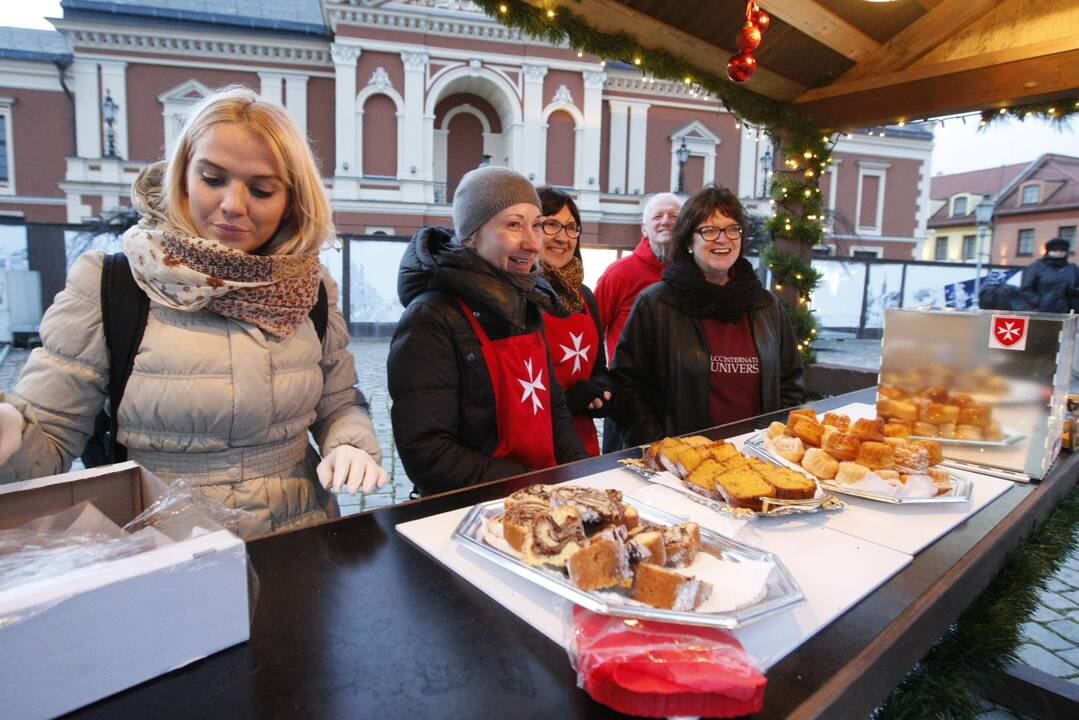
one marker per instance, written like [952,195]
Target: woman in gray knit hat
[474,392]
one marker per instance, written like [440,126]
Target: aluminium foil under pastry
[781,591]
[960,492]
[771,507]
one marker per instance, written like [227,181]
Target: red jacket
[619,286]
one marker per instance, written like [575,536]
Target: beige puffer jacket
[212,400]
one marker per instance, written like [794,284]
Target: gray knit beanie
[485,192]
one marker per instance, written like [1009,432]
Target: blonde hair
[307,222]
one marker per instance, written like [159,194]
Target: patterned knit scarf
[272,292]
[566,281]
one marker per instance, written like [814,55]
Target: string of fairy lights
[795,193]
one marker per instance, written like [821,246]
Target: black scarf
[699,298]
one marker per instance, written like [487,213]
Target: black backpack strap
[124,310]
[320,313]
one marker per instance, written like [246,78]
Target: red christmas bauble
[749,37]
[741,67]
[762,20]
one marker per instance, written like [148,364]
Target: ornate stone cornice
[415,61]
[154,40]
[380,79]
[594,79]
[534,73]
[344,54]
[430,21]
[665,88]
[562,95]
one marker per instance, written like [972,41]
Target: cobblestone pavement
[1051,638]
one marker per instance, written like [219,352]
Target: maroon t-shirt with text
[734,370]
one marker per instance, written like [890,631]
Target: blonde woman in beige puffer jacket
[230,375]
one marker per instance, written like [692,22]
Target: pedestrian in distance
[1051,283]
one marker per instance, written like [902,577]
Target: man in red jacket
[624,279]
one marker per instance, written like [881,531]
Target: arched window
[379,137]
[561,147]
[464,143]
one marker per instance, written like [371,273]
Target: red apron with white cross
[518,366]
[574,342]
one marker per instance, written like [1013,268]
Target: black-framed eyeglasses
[711,233]
[553,227]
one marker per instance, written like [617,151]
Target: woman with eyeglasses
[469,371]
[575,341]
[706,345]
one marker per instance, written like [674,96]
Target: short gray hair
[655,198]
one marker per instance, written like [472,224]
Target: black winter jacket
[661,369]
[1051,286]
[444,419]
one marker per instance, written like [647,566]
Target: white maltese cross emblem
[576,352]
[530,387]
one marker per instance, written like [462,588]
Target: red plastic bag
[658,669]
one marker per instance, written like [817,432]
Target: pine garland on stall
[1058,112]
[791,271]
[972,656]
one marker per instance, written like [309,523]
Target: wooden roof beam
[949,88]
[822,24]
[611,16]
[938,25]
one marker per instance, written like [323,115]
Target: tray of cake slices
[715,474]
[936,413]
[616,556]
[861,459]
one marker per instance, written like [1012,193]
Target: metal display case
[990,386]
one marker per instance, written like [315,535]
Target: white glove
[346,463]
[11,427]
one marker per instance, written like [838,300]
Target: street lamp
[682,153]
[766,165]
[983,215]
[109,110]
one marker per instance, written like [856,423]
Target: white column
[296,100]
[638,147]
[749,152]
[87,109]
[114,81]
[418,138]
[616,166]
[593,125]
[345,184]
[533,137]
[270,87]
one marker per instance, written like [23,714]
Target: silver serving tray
[960,492]
[782,590]
[1010,436]
[770,507]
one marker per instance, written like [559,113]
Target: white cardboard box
[99,629]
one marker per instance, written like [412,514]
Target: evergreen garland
[974,653]
[1059,112]
[792,271]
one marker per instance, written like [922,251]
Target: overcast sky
[959,147]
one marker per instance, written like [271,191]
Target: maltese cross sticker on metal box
[1008,332]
